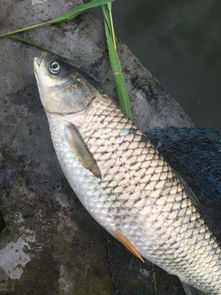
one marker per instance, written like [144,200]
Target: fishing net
[195,153]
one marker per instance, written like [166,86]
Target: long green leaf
[68,15]
[72,13]
[119,78]
[111,25]
[37,46]
[22,30]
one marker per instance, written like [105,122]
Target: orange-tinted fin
[127,244]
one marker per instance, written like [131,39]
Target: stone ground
[50,245]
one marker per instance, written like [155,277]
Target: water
[180,43]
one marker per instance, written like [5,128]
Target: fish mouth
[38,60]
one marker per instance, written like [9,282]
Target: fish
[122,180]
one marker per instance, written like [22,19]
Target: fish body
[126,185]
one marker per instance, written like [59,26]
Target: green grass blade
[30,43]
[109,6]
[107,21]
[68,15]
[22,30]
[72,13]
[119,78]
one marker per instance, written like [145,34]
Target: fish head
[62,88]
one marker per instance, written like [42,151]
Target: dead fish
[123,181]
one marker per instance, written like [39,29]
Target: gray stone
[50,244]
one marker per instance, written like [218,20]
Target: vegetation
[106,6]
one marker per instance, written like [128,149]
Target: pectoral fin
[127,244]
[81,151]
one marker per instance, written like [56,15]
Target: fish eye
[54,67]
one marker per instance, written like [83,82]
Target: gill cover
[62,88]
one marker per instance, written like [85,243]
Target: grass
[66,16]
[111,44]
[16,38]
[119,78]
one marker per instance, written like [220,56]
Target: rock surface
[49,244]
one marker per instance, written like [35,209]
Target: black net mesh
[195,153]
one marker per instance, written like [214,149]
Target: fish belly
[140,195]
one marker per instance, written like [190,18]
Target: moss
[40,276]
[94,287]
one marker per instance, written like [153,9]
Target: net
[195,153]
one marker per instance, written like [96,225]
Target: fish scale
[136,196]
[143,197]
